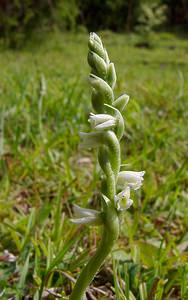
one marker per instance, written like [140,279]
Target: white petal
[100,119]
[106,125]
[133,174]
[122,200]
[80,212]
[129,203]
[127,206]
[131,179]
[124,194]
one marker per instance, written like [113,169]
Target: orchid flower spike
[131,179]
[107,124]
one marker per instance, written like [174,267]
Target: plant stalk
[109,236]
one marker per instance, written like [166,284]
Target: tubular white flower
[102,121]
[131,179]
[124,198]
[86,216]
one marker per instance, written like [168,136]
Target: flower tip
[95,37]
[92,35]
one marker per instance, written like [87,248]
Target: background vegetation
[44,103]
[20,18]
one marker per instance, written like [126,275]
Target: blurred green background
[20,19]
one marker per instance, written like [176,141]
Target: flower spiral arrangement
[107,130]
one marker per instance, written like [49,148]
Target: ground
[45,102]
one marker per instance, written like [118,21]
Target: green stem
[114,151]
[110,235]
[109,187]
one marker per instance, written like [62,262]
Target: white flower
[86,216]
[131,179]
[124,198]
[102,121]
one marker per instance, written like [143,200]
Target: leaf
[24,271]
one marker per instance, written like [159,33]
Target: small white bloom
[131,179]
[86,216]
[124,198]
[102,121]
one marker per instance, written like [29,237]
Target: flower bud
[121,102]
[111,75]
[102,87]
[97,63]
[107,60]
[96,38]
[96,47]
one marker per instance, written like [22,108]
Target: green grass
[43,171]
